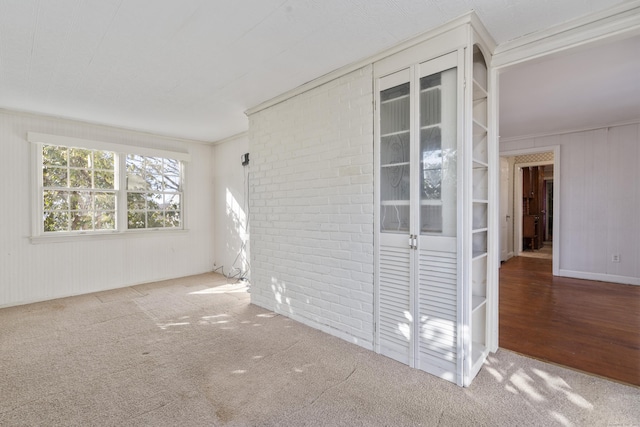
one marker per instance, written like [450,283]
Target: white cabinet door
[437,256]
[395,262]
[417,282]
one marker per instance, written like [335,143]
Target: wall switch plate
[615,258]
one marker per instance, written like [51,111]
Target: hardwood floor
[587,325]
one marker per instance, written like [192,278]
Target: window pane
[56,221]
[81,221]
[54,177]
[79,157]
[172,201]
[80,178]
[80,200]
[172,219]
[103,160]
[136,201]
[54,155]
[155,219]
[136,220]
[104,180]
[154,201]
[105,220]
[56,200]
[105,201]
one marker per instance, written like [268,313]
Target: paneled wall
[599,201]
[311,207]
[34,272]
[230,188]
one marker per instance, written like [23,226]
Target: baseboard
[93,291]
[600,277]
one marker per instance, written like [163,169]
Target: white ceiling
[190,68]
[592,87]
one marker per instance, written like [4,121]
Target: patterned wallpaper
[535,157]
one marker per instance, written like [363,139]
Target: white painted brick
[311,201]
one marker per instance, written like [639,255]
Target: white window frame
[38,235]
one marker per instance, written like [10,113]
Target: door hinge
[413,241]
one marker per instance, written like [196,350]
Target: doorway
[526,230]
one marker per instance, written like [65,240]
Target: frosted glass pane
[431,219]
[394,149]
[394,218]
[394,110]
[395,159]
[430,164]
[394,183]
[430,107]
[438,148]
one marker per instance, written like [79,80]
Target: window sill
[109,235]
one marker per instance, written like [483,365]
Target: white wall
[311,207]
[231,194]
[34,272]
[599,201]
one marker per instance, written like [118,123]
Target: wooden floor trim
[587,325]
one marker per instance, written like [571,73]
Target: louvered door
[417,268]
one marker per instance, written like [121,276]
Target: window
[153,192]
[87,187]
[78,189]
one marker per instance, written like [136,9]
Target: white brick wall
[311,207]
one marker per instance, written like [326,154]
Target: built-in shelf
[394,202]
[391,165]
[478,128]
[399,132]
[478,91]
[478,255]
[477,302]
[398,98]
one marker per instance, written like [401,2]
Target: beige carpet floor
[194,352]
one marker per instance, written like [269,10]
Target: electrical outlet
[615,258]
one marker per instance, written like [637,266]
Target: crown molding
[620,21]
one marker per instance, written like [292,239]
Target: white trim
[566,132]
[469,17]
[73,294]
[603,277]
[556,197]
[619,21]
[67,141]
[105,235]
[38,235]
[231,138]
[493,249]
